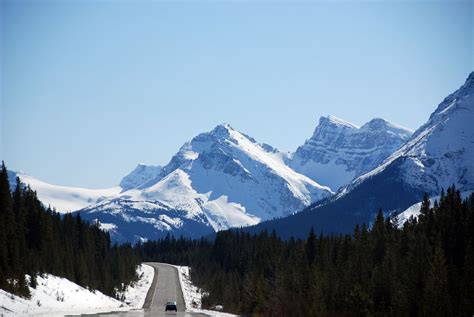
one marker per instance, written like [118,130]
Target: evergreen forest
[36,240]
[425,268]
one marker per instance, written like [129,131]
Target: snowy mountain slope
[130,220]
[436,156]
[63,198]
[339,151]
[440,153]
[176,190]
[140,175]
[220,179]
[237,176]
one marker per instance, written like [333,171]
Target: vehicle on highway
[171,306]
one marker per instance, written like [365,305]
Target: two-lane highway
[164,288]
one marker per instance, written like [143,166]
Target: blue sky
[91,88]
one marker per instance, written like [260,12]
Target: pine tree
[310,247]
[425,205]
[436,301]
[20,223]
[5,205]
[467,301]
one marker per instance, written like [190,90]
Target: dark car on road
[170,306]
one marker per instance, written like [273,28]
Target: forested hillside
[35,240]
[425,268]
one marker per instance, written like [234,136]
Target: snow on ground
[55,296]
[136,293]
[414,210]
[107,226]
[193,295]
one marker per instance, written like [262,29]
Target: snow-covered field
[193,295]
[55,296]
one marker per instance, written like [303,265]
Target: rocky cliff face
[339,151]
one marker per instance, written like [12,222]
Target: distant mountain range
[338,177]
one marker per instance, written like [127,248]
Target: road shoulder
[151,290]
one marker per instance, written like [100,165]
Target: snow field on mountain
[66,199]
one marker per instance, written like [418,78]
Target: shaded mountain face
[436,156]
[220,179]
[339,151]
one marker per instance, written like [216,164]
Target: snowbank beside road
[193,295]
[135,294]
[55,296]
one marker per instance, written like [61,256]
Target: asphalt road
[164,288]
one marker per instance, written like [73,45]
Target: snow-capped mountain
[440,153]
[339,151]
[220,179]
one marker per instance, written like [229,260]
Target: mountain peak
[466,89]
[470,80]
[335,121]
[382,125]
[338,150]
[376,123]
[222,130]
[460,99]
[439,153]
[224,125]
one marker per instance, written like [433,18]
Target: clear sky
[91,88]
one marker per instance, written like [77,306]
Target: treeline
[36,240]
[425,268]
